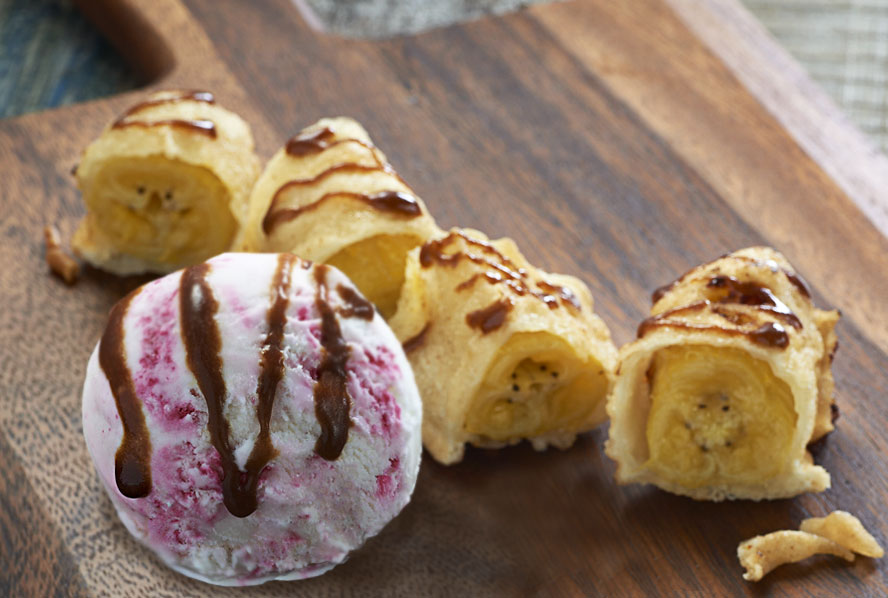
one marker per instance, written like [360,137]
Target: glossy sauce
[415,342]
[132,462]
[771,335]
[271,371]
[331,398]
[202,126]
[491,317]
[310,143]
[203,343]
[501,269]
[751,293]
[193,95]
[356,305]
[397,202]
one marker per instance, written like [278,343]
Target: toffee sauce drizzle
[356,306]
[202,340]
[203,126]
[132,462]
[501,270]
[331,398]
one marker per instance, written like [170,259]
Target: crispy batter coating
[165,185]
[502,351]
[330,195]
[762,554]
[727,384]
[846,530]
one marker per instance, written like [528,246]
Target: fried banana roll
[726,385]
[501,351]
[165,185]
[331,196]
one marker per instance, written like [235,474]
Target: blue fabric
[50,55]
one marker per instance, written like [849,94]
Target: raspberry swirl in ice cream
[252,418]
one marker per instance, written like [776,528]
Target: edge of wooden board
[786,90]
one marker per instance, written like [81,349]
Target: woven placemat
[843,44]
[50,56]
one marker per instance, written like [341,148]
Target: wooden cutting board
[612,142]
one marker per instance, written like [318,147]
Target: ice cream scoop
[252,418]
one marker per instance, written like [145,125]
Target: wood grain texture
[612,144]
[801,106]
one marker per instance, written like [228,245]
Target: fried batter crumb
[840,534]
[61,264]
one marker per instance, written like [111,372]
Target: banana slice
[165,185]
[727,384]
[501,350]
[331,196]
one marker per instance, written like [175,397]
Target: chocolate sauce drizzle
[306,144]
[771,334]
[730,290]
[200,334]
[205,127]
[751,293]
[395,202]
[798,282]
[331,398]
[415,342]
[202,126]
[193,95]
[501,270]
[270,374]
[491,317]
[132,462]
[356,306]
[793,277]
[310,143]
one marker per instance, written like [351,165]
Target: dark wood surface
[611,144]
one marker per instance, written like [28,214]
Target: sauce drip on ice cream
[132,468]
[203,344]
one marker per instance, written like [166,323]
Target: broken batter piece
[840,534]
[60,263]
[501,351]
[165,185]
[762,554]
[329,195]
[846,530]
[727,384]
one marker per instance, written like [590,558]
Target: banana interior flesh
[727,384]
[329,195]
[718,416]
[501,351]
[165,184]
[548,393]
[376,266]
[158,210]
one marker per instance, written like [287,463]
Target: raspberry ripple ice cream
[252,418]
